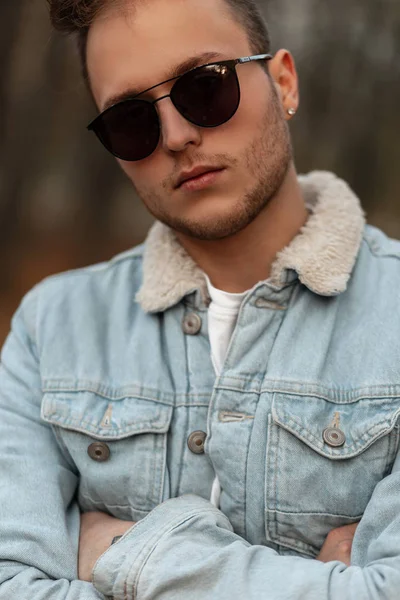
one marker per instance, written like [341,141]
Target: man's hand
[97,532]
[338,543]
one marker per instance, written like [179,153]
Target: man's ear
[284,75]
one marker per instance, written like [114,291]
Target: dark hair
[76,16]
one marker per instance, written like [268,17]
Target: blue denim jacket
[107,372]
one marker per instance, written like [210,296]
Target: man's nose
[176,132]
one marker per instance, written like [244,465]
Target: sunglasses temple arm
[246,59]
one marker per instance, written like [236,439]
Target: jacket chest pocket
[118,447]
[323,463]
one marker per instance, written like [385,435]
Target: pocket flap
[103,418]
[362,422]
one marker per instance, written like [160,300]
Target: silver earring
[291,111]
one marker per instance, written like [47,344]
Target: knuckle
[345,546]
[333,535]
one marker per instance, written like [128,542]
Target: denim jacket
[107,373]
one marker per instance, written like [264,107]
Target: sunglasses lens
[208,96]
[130,130]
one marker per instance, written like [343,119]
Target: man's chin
[210,216]
[211,228]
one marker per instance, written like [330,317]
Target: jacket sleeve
[186,548]
[39,518]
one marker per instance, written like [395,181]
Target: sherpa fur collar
[323,253]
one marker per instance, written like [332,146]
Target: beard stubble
[267,159]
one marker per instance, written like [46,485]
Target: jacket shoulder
[97,284]
[380,245]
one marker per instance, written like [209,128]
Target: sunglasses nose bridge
[177,132]
[160,118]
[162,98]
[174,108]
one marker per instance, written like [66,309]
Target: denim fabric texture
[85,363]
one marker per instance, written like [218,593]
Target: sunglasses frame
[230,64]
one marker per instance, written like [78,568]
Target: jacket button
[196,442]
[191,324]
[99,451]
[334,437]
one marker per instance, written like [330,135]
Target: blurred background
[64,202]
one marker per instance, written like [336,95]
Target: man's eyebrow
[187,65]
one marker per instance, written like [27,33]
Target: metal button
[196,442]
[99,451]
[191,324]
[334,437]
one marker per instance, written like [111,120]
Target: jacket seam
[100,267]
[128,394]
[378,251]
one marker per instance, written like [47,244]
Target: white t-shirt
[222,318]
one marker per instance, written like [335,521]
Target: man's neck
[235,264]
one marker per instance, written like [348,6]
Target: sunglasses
[207,96]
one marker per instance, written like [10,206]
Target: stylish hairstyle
[76,16]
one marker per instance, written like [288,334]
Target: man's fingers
[345,530]
[348,528]
[338,544]
[342,534]
[344,552]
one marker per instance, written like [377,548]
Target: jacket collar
[322,254]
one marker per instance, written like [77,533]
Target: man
[227,395]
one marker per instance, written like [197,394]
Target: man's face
[137,49]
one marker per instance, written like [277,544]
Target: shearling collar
[322,254]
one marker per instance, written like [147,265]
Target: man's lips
[196,175]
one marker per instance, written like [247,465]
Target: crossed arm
[98,529]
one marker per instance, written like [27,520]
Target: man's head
[76,17]
[136,44]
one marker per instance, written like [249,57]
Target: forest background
[64,202]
